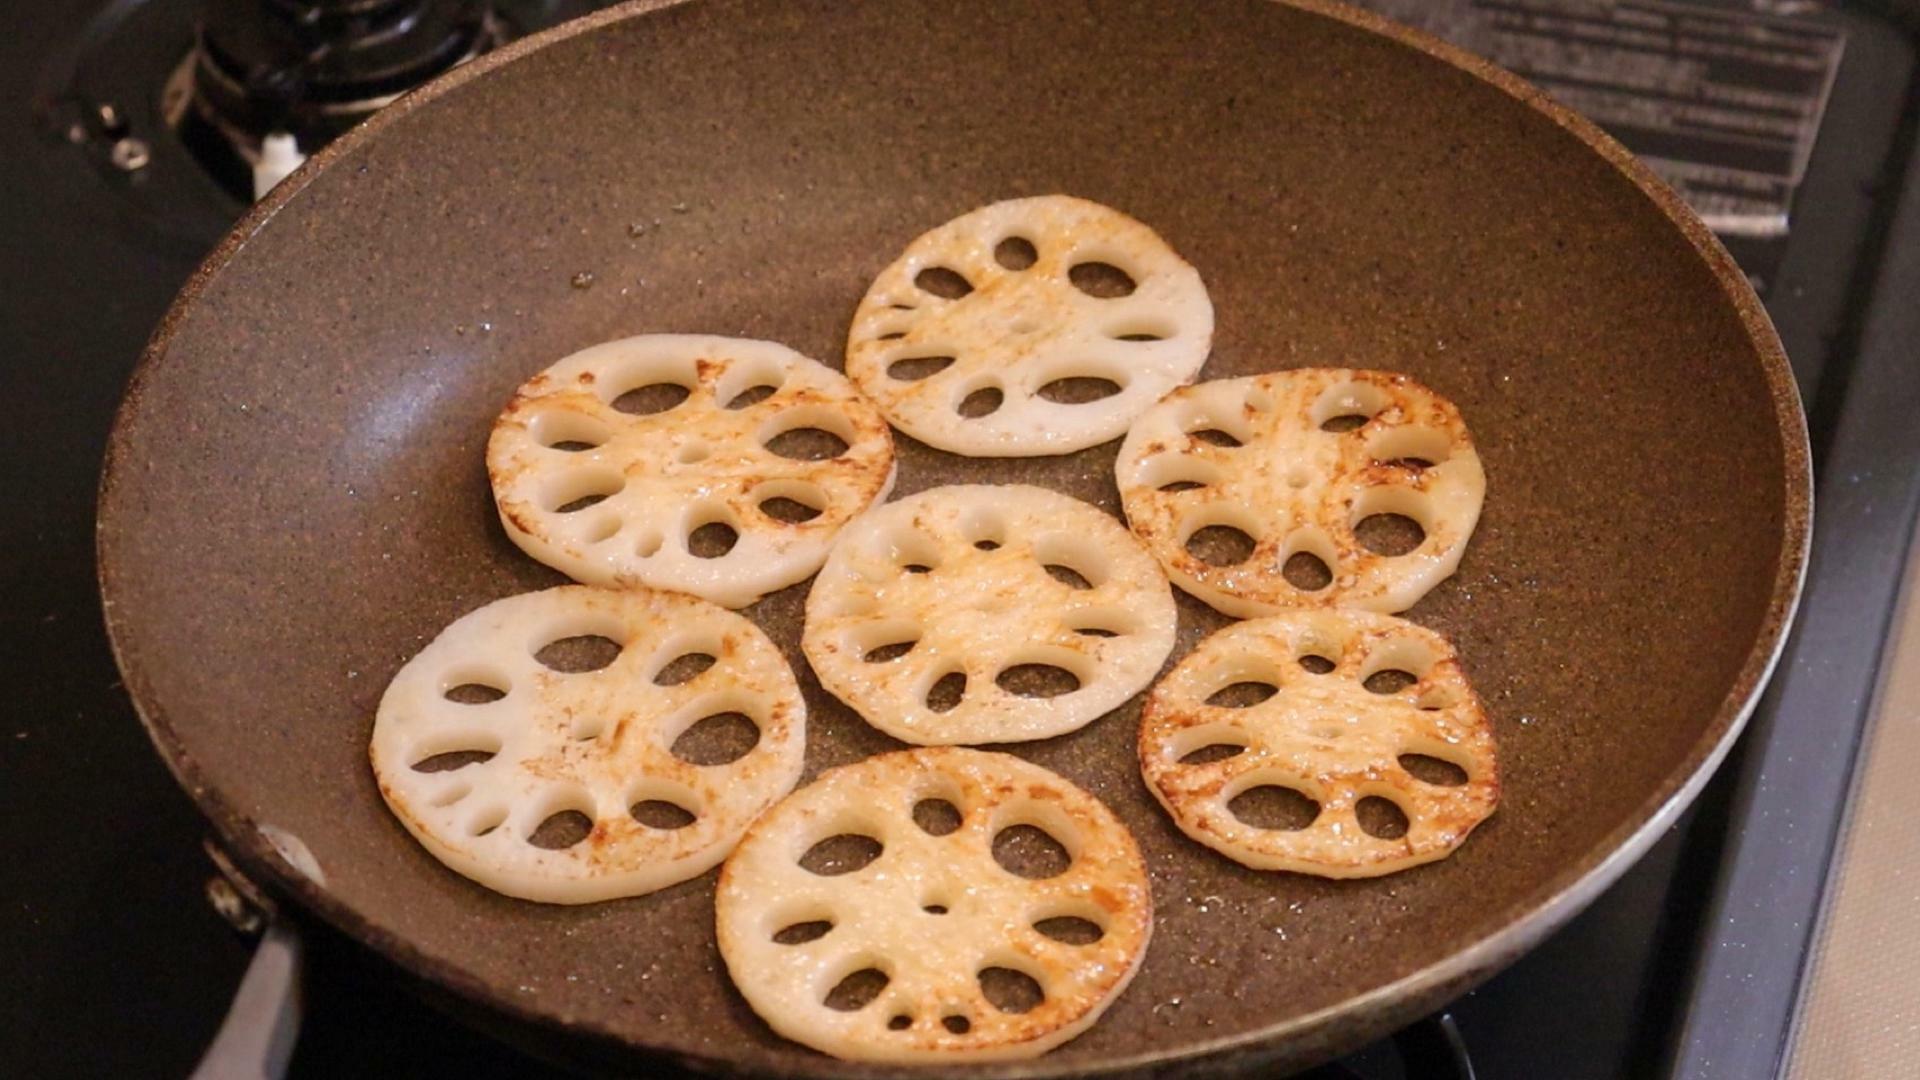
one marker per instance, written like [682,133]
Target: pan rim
[1561,896]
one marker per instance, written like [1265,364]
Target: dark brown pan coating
[296,499]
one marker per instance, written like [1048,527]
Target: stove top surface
[120,965]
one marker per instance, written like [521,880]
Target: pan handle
[256,1039]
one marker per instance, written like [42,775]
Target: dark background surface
[117,964]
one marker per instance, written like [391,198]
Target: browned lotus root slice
[1230,481]
[519,763]
[1032,326]
[1295,742]
[714,466]
[900,910]
[984,613]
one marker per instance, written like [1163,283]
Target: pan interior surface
[297,501]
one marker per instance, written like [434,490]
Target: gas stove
[132,133]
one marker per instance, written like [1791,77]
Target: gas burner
[270,81]
[188,109]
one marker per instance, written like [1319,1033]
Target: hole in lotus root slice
[1064,320]
[857,990]
[808,444]
[1348,406]
[883,640]
[982,526]
[561,830]
[1389,520]
[1101,622]
[568,431]
[1397,661]
[1037,680]
[1011,990]
[450,760]
[1015,253]
[802,932]
[664,815]
[749,380]
[683,668]
[1043,957]
[984,401]
[1067,575]
[1412,448]
[1343,774]
[1221,545]
[772,445]
[842,853]
[574,491]
[652,398]
[1213,436]
[794,502]
[1384,511]
[915,368]
[809,433]
[712,539]
[1306,571]
[1389,681]
[904,546]
[752,395]
[577,654]
[1381,817]
[720,738]
[936,817]
[1213,752]
[1203,744]
[1274,806]
[943,282]
[1041,614]
[1071,561]
[1031,852]
[1101,280]
[1079,389]
[645,385]
[1433,770]
[1174,472]
[547,776]
[1070,929]
[475,685]
[1307,561]
[947,692]
[1242,695]
[885,653]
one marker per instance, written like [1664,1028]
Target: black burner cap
[311,65]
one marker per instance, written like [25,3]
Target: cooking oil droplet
[638,228]
[582,280]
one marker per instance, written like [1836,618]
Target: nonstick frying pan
[295,501]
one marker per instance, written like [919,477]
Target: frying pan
[294,500]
